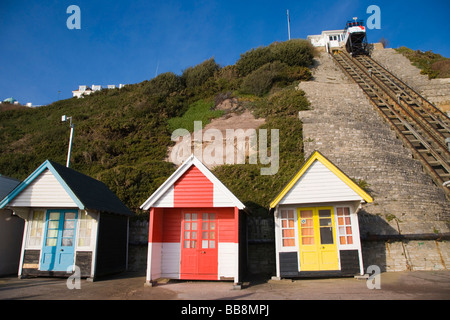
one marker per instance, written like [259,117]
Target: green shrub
[260,81]
[253,59]
[284,103]
[201,110]
[296,52]
[164,84]
[432,64]
[196,76]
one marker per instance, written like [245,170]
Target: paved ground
[434,285]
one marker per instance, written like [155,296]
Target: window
[326,227]
[287,228]
[200,231]
[36,229]
[86,222]
[190,231]
[307,227]
[208,231]
[345,226]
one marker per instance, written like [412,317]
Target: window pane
[212,216]
[347,220]
[308,240]
[288,242]
[212,226]
[306,214]
[349,230]
[204,244]
[51,242]
[291,223]
[340,211]
[325,222]
[187,234]
[324,213]
[307,231]
[67,242]
[53,224]
[212,244]
[70,215]
[193,244]
[187,216]
[350,240]
[205,235]
[205,225]
[341,221]
[194,225]
[205,216]
[52,233]
[194,217]
[283,223]
[212,234]
[288,233]
[54,216]
[69,224]
[194,235]
[326,235]
[342,240]
[187,226]
[186,244]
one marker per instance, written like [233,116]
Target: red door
[199,246]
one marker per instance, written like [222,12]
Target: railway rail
[418,123]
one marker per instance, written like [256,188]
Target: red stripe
[193,189]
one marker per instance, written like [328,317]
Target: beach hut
[71,220]
[316,222]
[194,229]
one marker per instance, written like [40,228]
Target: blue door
[59,243]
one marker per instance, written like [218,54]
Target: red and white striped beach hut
[193,227]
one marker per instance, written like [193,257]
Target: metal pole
[70,143]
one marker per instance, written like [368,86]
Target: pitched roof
[337,174]
[191,161]
[86,192]
[6,185]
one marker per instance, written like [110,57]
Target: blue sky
[130,41]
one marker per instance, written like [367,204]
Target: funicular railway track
[417,122]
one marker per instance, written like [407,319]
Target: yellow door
[318,249]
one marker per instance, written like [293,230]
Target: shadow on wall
[374,230]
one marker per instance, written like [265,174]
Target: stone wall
[407,255]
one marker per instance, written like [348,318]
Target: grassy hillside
[432,64]
[122,135]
